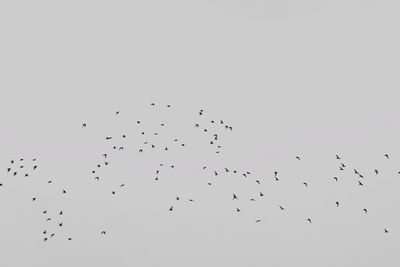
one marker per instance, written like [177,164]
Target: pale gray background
[308,78]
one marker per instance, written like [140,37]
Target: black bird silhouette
[34,198]
[44,232]
[122,185]
[113,192]
[26,175]
[49,182]
[252,199]
[376,171]
[257,181]
[60,224]
[45,211]
[108,137]
[305,184]
[116,113]
[140,150]
[48,219]
[103,232]
[355,171]
[257,221]
[168,106]
[361,176]
[64,192]
[61,212]
[337,157]
[35,167]
[8,169]
[282,208]
[45,239]
[337,204]
[297,157]
[105,155]
[309,220]
[52,235]
[359,183]
[387,156]
[15,173]
[365,210]
[386,231]
[12,161]
[171,208]
[191,200]
[69,238]
[84,125]
[237,209]
[234,197]
[97,178]
[177,198]
[343,166]
[152,104]
[261,194]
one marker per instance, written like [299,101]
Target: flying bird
[234,197]
[309,220]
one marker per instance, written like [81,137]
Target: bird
[257,181]
[49,182]
[177,198]
[113,192]
[44,232]
[35,167]
[337,157]
[171,208]
[64,192]
[191,200]
[116,113]
[309,220]
[386,231]
[337,204]
[376,171]
[355,171]
[84,125]
[108,137]
[52,235]
[152,104]
[61,212]
[261,194]
[122,185]
[305,184]
[60,224]
[8,169]
[168,106]
[34,198]
[48,219]
[387,156]
[45,239]
[359,183]
[365,211]
[275,173]
[234,197]
[257,221]
[26,175]
[103,232]
[343,166]
[15,173]
[105,155]
[252,199]
[297,157]
[69,238]
[282,208]
[44,212]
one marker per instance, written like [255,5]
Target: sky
[293,78]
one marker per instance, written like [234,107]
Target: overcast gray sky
[306,78]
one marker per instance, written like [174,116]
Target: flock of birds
[211,129]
